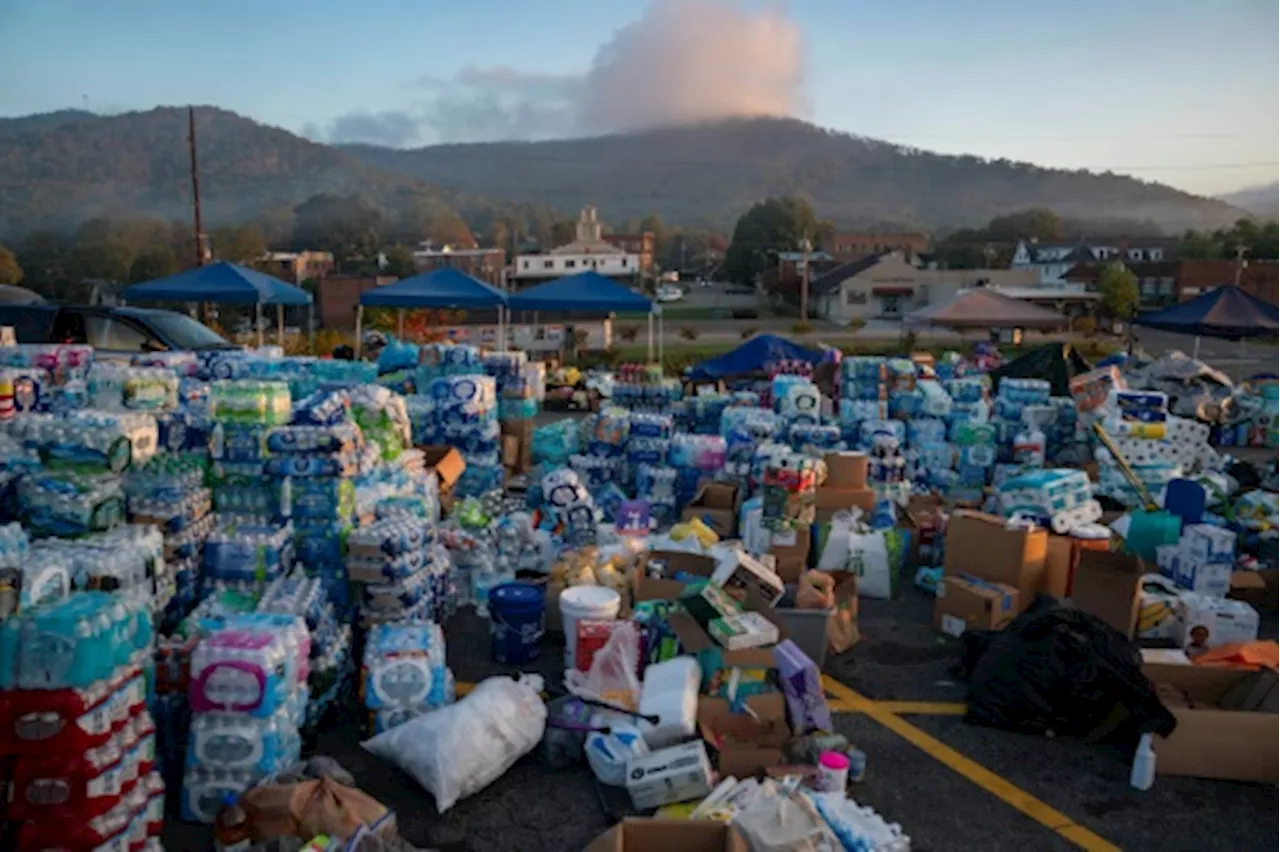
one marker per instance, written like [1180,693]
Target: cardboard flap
[717,495]
[447,462]
[636,834]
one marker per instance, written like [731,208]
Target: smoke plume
[683,61]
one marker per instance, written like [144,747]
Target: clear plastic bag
[612,676]
[461,749]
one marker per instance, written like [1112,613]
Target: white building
[1053,260]
[588,252]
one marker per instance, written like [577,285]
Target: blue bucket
[515,622]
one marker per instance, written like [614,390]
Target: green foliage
[1260,241]
[1039,224]
[801,328]
[155,262]
[399,262]
[629,332]
[689,332]
[244,244]
[770,226]
[1118,287]
[10,271]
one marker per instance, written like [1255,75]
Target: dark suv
[122,331]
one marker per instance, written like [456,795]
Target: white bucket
[584,602]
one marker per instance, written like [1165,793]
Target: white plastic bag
[835,552]
[465,747]
[612,676]
[869,559]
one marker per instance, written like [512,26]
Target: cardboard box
[717,504]
[967,603]
[674,774]
[448,465]
[830,499]
[735,577]
[646,588]
[716,661]
[846,470]
[1107,585]
[1210,742]
[1251,587]
[1059,559]
[790,552]
[842,626]
[636,834]
[747,746]
[979,545]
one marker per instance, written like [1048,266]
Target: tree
[348,227]
[563,231]
[241,244]
[399,262]
[154,263]
[1118,287]
[770,226]
[1040,224]
[10,271]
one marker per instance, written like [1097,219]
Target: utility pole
[195,185]
[205,310]
[1239,263]
[805,246]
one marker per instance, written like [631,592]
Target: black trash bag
[1062,671]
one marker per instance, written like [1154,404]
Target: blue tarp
[1227,311]
[441,288]
[220,283]
[751,357]
[589,292]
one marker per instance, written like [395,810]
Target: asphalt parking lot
[951,785]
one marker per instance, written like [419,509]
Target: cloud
[683,61]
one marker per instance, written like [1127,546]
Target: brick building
[483,263]
[338,295]
[854,245]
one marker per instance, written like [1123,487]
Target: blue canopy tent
[224,283]
[587,292]
[752,356]
[440,288]
[1226,311]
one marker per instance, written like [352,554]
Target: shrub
[750,332]
[1086,326]
[801,328]
[908,340]
[629,332]
[688,332]
[856,324]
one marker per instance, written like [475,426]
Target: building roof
[1089,272]
[587,247]
[983,307]
[833,279]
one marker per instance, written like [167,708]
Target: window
[570,264]
[624,263]
[548,264]
[112,334]
[855,297]
[1155,254]
[526,264]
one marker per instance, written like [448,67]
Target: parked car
[120,331]
[670,294]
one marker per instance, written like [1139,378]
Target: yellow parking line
[1024,802]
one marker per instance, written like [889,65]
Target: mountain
[709,174]
[1259,200]
[44,121]
[59,169]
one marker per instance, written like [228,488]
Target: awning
[891,291]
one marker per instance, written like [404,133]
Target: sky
[1178,91]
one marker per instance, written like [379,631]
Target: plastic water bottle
[1143,773]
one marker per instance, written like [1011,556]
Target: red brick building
[338,295]
[637,244]
[854,245]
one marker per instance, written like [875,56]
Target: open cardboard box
[646,588]
[636,834]
[979,545]
[1209,742]
[717,505]
[1106,584]
[711,657]
[747,745]
[448,464]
